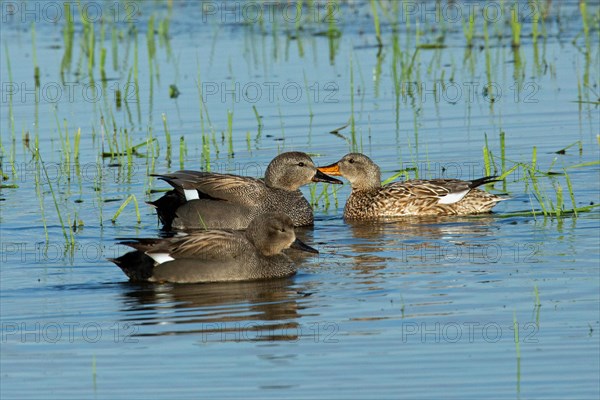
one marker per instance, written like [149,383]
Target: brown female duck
[370,200]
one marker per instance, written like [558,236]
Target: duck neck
[278,181]
[367,185]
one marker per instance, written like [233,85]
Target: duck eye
[351,161]
[301,164]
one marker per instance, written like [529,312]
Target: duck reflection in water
[416,241]
[237,311]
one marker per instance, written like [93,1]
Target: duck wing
[200,245]
[194,185]
[440,191]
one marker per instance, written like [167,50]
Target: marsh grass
[537,305]
[167,137]
[488,159]
[114,46]
[515,26]
[68,37]
[36,68]
[128,200]
[551,204]
[102,63]
[231,153]
[376,24]
[534,6]
[259,124]
[352,118]
[11,115]
[182,152]
[308,99]
[517,349]
[516,335]
[469,29]
[69,238]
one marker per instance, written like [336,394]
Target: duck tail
[482,181]
[166,207]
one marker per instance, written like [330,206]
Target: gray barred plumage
[212,200]
[216,255]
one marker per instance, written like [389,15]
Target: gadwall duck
[213,200]
[216,255]
[370,200]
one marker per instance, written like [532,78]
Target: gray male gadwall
[213,200]
[216,255]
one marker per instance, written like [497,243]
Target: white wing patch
[452,198]
[160,258]
[191,194]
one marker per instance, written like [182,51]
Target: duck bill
[333,169]
[321,177]
[300,245]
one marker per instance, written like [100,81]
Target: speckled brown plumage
[370,200]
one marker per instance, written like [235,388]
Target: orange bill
[333,169]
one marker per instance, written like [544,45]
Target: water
[413,308]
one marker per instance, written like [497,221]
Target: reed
[11,115]
[182,152]
[307,90]
[230,133]
[77,140]
[69,239]
[114,48]
[258,122]
[537,305]
[516,335]
[469,29]
[584,17]
[571,194]
[36,68]
[376,24]
[515,26]
[167,137]
[128,200]
[136,80]
[68,36]
[535,12]
[352,119]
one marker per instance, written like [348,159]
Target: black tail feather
[166,207]
[482,181]
[136,265]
